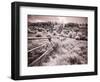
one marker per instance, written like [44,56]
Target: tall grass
[68,53]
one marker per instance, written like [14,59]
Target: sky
[60,19]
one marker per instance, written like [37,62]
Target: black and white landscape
[57,40]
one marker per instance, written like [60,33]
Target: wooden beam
[45,53]
[34,38]
[36,48]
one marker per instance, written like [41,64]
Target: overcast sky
[60,19]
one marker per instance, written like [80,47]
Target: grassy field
[69,52]
[66,52]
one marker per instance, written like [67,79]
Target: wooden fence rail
[45,53]
[36,48]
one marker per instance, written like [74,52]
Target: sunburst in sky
[60,19]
